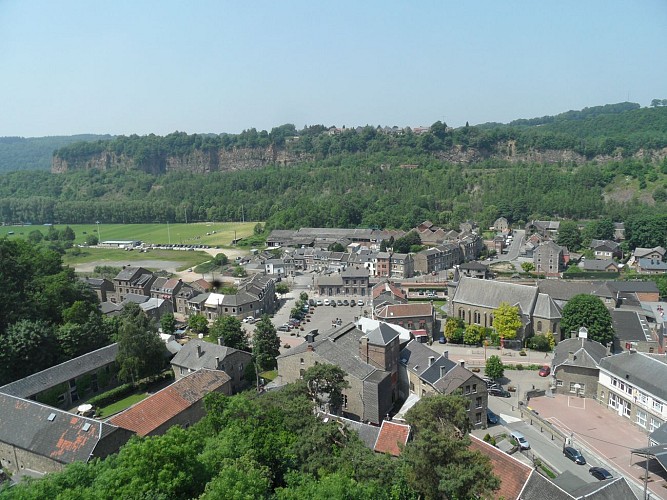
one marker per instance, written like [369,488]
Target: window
[642,398]
[412,387]
[655,423]
[467,389]
[627,408]
[657,406]
[559,383]
[301,360]
[478,418]
[641,418]
[474,388]
[478,402]
[301,372]
[539,327]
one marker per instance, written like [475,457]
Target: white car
[249,319]
[326,302]
[521,440]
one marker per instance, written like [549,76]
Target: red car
[544,371]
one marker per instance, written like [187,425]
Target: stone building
[576,366]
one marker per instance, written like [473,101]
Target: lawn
[102,256]
[121,405]
[198,233]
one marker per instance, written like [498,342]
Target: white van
[521,440]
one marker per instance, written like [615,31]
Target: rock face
[198,161]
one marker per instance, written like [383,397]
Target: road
[515,247]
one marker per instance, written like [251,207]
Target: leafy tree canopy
[506,320]
[588,311]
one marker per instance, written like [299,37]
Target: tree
[168,324]
[325,385]
[258,229]
[336,247]
[265,344]
[221,259]
[569,235]
[198,323]
[35,236]
[141,352]
[494,367]
[439,461]
[473,334]
[303,296]
[506,320]
[282,288]
[68,234]
[404,244]
[92,240]
[451,325]
[588,311]
[27,347]
[231,331]
[527,267]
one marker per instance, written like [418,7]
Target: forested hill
[601,132]
[35,153]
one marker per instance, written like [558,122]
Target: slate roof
[545,307]
[474,266]
[156,410]
[381,335]
[40,381]
[490,294]
[599,265]
[611,489]
[368,324]
[640,252]
[453,379]
[26,425]
[109,307]
[659,435]
[587,353]
[646,372]
[564,290]
[330,280]
[354,272]
[390,436]
[539,487]
[135,298]
[340,346]
[513,474]
[630,326]
[415,356]
[367,433]
[632,286]
[127,273]
[188,358]
[652,265]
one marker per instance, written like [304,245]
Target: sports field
[199,233]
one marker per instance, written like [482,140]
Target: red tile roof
[149,414]
[512,473]
[391,434]
[380,288]
[405,311]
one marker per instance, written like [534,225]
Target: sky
[141,67]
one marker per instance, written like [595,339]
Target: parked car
[319,303]
[574,455]
[520,440]
[600,473]
[544,371]
[326,302]
[284,328]
[499,391]
[339,302]
[354,303]
[346,302]
[442,340]
[311,302]
[491,417]
[249,319]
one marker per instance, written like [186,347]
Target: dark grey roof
[653,264]
[545,307]
[644,371]
[135,298]
[382,335]
[539,487]
[40,381]
[127,273]
[367,433]
[566,289]
[568,481]
[490,294]
[630,326]
[616,488]
[454,378]
[660,435]
[109,307]
[354,272]
[598,265]
[50,432]
[330,280]
[633,286]
[416,357]
[587,353]
[187,357]
[474,266]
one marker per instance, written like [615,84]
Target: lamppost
[99,238]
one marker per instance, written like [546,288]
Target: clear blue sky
[123,67]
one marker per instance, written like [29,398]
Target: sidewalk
[477,356]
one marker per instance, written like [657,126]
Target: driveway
[603,436]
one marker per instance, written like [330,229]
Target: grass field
[110,256]
[199,233]
[121,405]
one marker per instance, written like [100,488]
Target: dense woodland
[356,179]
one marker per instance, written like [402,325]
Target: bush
[111,396]
[519,367]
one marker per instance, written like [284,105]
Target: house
[439,258]
[181,403]
[632,332]
[474,269]
[606,265]
[606,249]
[166,289]
[619,231]
[102,287]
[387,292]
[475,300]
[136,280]
[202,286]
[197,354]
[576,366]
[548,258]
[402,265]
[186,293]
[383,265]
[501,224]
[391,438]
[276,267]
[651,266]
[37,437]
[65,384]
[370,361]
[411,316]
[631,384]
[548,228]
[154,308]
[352,281]
[656,253]
[424,372]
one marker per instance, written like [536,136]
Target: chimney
[217,362]
[570,356]
[445,354]
[443,371]
[310,348]
[199,350]
[462,362]
[221,341]
[431,359]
